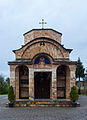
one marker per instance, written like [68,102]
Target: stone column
[72,75]
[31,84]
[17,82]
[12,77]
[54,84]
[67,83]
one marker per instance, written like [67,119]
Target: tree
[79,72]
[8,80]
[1,83]
[79,69]
[74,94]
[11,96]
[3,86]
[1,79]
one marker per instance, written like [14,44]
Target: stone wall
[42,33]
[50,49]
[30,50]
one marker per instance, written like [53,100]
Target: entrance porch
[40,84]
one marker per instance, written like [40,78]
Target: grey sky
[20,16]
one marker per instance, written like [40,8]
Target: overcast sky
[19,16]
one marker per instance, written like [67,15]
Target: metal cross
[43,23]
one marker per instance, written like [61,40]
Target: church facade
[42,69]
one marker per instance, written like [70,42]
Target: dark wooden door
[42,85]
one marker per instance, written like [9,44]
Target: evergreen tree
[11,96]
[79,72]
[79,69]
[74,94]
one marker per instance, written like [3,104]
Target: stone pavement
[43,113]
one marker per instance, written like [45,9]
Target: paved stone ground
[43,113]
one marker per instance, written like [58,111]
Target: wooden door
[42,85]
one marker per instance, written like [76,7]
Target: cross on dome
[42,23]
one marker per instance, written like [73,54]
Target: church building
[42,69]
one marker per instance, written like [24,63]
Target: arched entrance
[23,82]
[42,84]
[42,80]
[61,82]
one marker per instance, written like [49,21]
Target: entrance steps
[44,103]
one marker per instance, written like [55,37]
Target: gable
[34,47]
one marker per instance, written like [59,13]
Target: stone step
[44,104]
[47,103]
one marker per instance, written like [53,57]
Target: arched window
[23,82]
[61,82]
[42,60]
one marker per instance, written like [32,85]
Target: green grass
[84,94]
[3,94]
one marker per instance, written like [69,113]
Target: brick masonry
[30,51]
[42,33]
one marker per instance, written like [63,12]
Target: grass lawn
[3,94]
[84,94]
